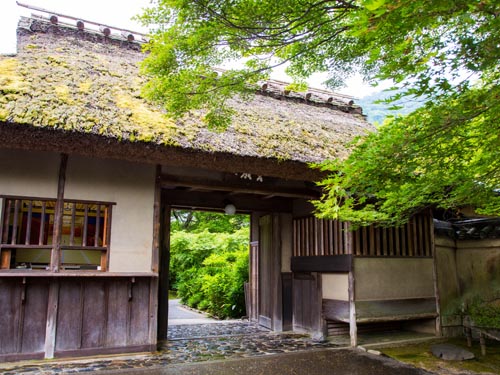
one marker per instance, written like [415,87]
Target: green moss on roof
[75,85]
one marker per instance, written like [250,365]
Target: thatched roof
[82,83]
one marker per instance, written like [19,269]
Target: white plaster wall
[335,286]
[393,278]
[32,173]
[129,185]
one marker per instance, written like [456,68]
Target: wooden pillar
[277,292]
[156,222]
[164,262]
[4,232]
[55,256]
[158,219]
[353,329]
[439,328]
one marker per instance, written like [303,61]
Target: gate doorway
[270,202]
[209,265]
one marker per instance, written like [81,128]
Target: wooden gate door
[269,271]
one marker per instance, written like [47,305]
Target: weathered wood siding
[23,313]
[307,315]
[93,315]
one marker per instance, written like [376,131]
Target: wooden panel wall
[95,316]
[315,237]
[23,313]
[102,313]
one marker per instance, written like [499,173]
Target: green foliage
[214,222]
[209,268]
[442,155]
[442,53]
[485,314]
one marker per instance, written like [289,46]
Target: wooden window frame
[10,235]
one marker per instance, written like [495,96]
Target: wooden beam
[272,188]
[215,201]
[55,256]
[325,263]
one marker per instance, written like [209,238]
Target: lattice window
[27,233]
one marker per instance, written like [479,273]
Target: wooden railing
[315,237]
[27,228]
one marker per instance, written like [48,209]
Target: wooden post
[276,273]
[50,331]
[353,329]
[5,259]
[482,342]
[5,253]
[439,328]
[164,260]
[55,256]
[155,262]
[159,217]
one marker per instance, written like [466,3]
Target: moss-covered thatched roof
[81,82]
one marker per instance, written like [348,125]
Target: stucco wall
[446,269]
[393,278]
[478,263]
[335,286]
[28,174]
[462,267]
[131,187]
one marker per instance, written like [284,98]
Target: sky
[118,13]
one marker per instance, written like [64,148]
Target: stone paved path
[212,342]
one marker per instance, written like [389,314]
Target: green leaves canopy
[444,52]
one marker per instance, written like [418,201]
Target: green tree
[442,52]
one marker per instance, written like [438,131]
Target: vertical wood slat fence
[316,237]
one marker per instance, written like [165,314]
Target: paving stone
[450,352]
[194,343]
